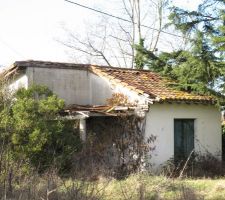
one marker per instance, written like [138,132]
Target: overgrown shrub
[207,165]
[115,147]
[200,165]
[32,130]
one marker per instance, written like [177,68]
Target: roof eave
[186,101]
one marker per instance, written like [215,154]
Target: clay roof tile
[150,83]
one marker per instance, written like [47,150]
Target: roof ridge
[79,64]
[48,62]
[124,68]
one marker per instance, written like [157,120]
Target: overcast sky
[29,28]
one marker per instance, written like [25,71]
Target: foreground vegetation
[135,187]
[35,141]
[161,187]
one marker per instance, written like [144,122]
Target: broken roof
[98,110]
[144,82]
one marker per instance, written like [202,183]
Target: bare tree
[112,41]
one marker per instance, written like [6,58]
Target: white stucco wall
[160,122]
[77,86]
[74,86]
[100,90]
[71,85]
[18,82]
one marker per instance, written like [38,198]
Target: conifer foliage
[200,67]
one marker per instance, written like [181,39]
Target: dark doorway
[183,138]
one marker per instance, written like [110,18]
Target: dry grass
[158,187]
[135,187]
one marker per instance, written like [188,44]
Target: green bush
[35,131]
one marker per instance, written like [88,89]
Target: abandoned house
[180,121]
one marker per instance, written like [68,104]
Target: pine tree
[206,31]
[201,69]
[208,19]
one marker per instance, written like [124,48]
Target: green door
[183,138]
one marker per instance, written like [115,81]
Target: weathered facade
[179,120]
[207,128]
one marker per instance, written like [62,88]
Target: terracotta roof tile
[146,82]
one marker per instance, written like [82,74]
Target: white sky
[29,28]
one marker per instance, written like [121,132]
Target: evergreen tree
[209,19]
[205,63]
[143,56]
[202,68]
